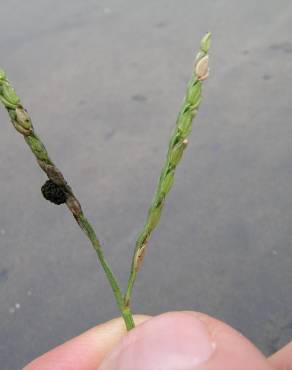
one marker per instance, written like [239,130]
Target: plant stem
[88,230]
[22,123]
[58,191]
[177,144]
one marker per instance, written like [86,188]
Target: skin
[89,350]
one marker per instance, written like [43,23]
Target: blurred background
[103,81]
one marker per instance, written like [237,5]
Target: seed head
[202,68]
[2,74]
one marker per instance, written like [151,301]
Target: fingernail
[171,341]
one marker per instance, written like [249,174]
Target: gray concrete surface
[103,81]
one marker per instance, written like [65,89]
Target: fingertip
[282,360]
[233,350]
[185,340]
[85,351]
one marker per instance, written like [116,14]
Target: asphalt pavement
[103,81]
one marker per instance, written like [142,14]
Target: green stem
[128,318]
[177,144]
[89,231]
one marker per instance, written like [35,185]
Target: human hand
[171,341]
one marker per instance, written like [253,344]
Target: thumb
[184,341]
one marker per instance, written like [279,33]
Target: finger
[184,341]
[86,351]
[282,360]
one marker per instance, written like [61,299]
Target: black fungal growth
[54,193]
